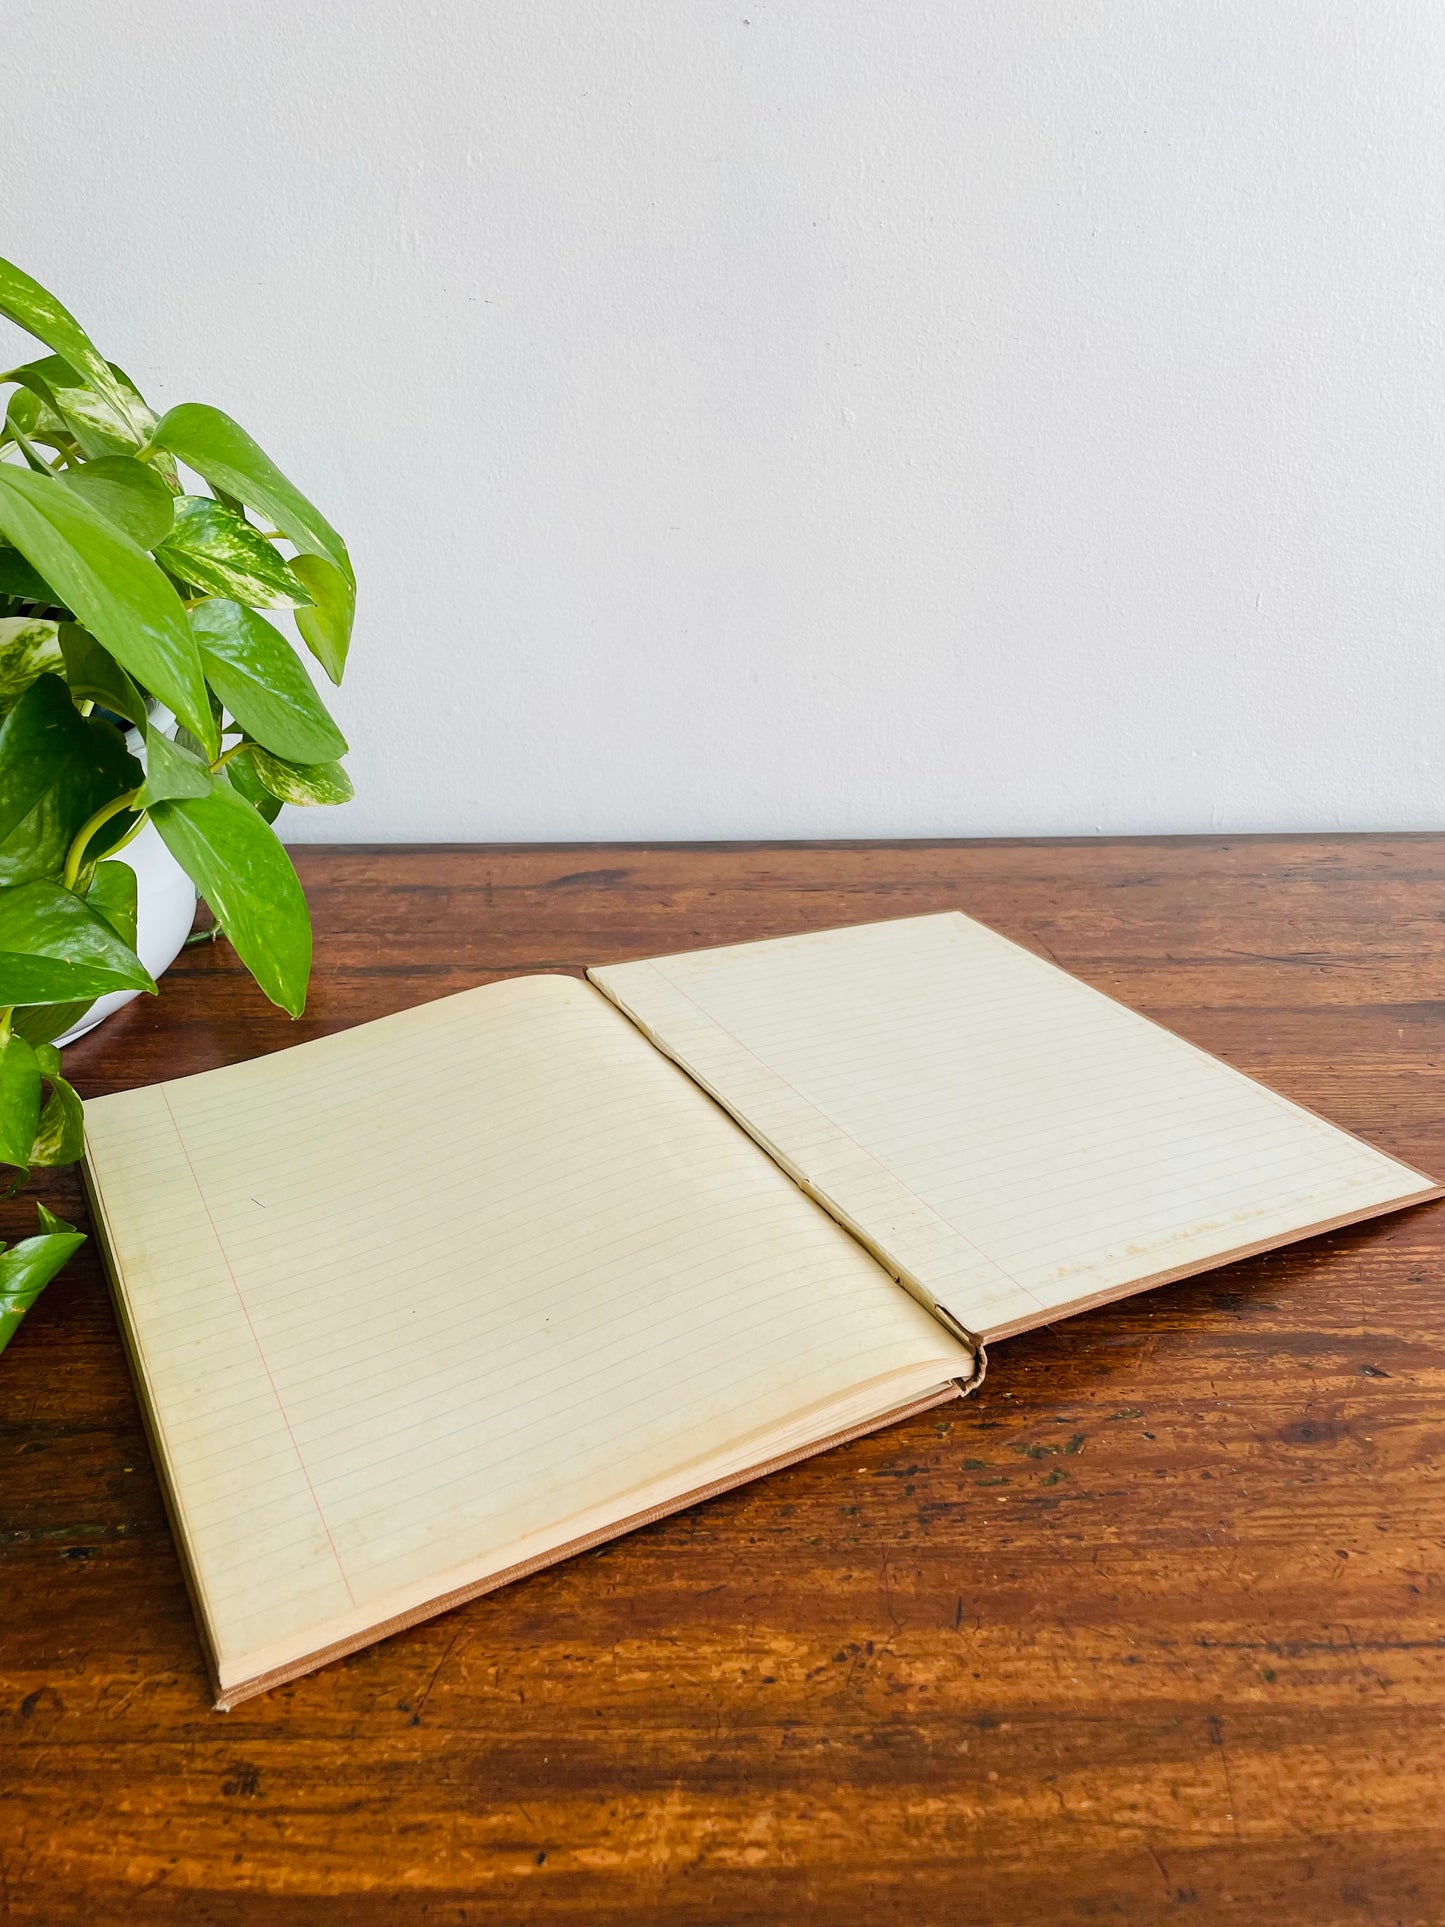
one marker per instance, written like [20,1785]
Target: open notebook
[421,1307]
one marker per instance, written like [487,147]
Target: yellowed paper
[1011,1142]
[412,1303]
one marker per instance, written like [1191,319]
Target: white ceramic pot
[166,908]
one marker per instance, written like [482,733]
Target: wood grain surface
[1153,1627]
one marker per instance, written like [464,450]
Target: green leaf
[241,775]
[56,771]
[43,1023]
[301,782]
[240,868]
[60,1136]
[95,676]
[17,578]
[37,311]
[326,625]
[37,412]
[115,589]
[259,677]
[29,647]
[171,772]
[70,406]
[27,1268]
[220,552]
[113,894]
[128,494]
[221,450]
[54,948]
[33,458]
[19,1100]
[30,414]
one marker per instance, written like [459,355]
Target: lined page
[1012,1143]
[406,1301]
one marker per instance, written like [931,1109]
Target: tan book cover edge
[226,1699]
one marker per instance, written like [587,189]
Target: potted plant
[146,707]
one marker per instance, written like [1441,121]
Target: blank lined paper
[420,1301]
[1012,1143]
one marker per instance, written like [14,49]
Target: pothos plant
[135,555]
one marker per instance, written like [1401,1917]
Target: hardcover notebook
[418,1308]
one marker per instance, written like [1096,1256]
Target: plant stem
[5,1016]
[29,451]
[76,855]
[131,834]
[88,829]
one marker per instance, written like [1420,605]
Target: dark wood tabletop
[1153,1626]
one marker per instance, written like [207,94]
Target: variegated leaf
[29,414]
[221,450]
[36,310]
[28,648]
[220,552]
[240,773]
[303,783]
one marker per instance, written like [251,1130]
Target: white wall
[804,419]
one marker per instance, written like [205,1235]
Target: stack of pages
[421,1307]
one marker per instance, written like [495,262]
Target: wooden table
[1153,1626]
